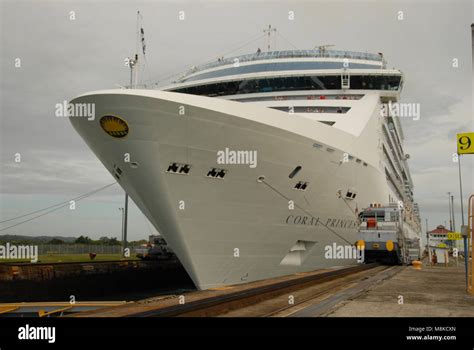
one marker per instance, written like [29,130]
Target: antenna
[269,31]
[132,61]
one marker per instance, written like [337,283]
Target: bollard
[416,264]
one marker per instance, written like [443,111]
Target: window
[375,82]
[216,173]
[350,194]
[176,168]
[300,97]
[173,168]
[301,185]
[279,66]
[313,109]
[329,82]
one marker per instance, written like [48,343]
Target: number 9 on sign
[465,143]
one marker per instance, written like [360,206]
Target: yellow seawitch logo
[114,126]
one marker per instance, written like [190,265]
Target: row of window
[332,82]
[184,169]
[280,66]
[217,173]
[299,97]
[349,157]
[312,109]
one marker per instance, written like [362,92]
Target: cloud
[63,58]
[53,172]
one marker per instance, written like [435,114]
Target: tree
[56,241]
[113,241]
[83,240]
[108,241]
[104,240]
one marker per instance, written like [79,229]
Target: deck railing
[288,54]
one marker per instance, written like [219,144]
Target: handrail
[288,54]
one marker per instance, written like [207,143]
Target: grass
[57,258]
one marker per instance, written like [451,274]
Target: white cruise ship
[323,152]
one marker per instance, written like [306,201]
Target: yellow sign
[454,236]
[114,126]
[465,143]
[442,245]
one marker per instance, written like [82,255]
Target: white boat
[323,152]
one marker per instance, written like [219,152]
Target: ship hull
[252,224]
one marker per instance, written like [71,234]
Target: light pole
[452,210]
[125,223]
[450,217]
[466,248]
[428,242]
[121,209]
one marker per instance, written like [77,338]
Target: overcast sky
[61,58]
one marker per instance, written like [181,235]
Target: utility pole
[269,31]
[125,223]
[450,218]
[428,242]
[452,210]
[466,248]
[121,232]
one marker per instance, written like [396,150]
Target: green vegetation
[56,240]
[55,258]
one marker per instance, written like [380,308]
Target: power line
[242,46]
[53,210]
[220,54]
[289,42]
[34,217]
[253,39]
[181,71]
[62,204]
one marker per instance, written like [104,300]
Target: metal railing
[288,54]
[65,249]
